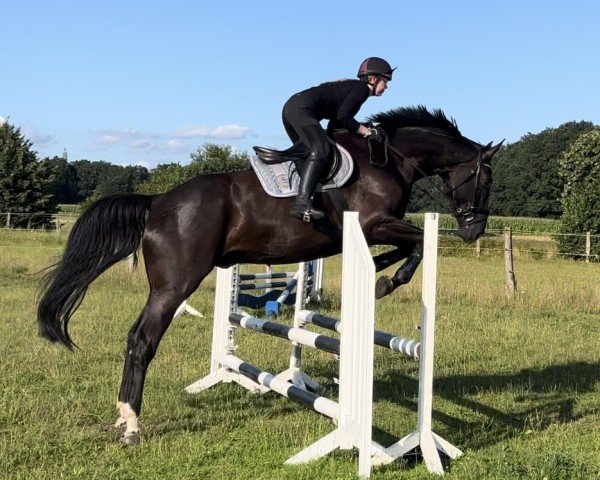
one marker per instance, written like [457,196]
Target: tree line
[543,175]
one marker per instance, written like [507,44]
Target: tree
[88,177]
[580,171]
[210,158]
[526,180]
[163,178]
[99,178]
[427,196]
[65,180]
[213,158]
[25,182]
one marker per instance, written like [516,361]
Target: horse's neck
[422,152]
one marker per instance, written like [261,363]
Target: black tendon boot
[302,208]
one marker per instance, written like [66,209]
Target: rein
[467,213]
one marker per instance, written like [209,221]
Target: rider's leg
[316,139]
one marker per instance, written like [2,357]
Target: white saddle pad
[281,180]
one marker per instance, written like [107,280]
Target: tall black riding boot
[302,207]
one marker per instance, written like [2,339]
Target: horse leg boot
[302,206]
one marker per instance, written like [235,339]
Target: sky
[147,83]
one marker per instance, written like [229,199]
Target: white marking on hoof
[128,417]
[120,421]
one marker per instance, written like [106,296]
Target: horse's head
[467,185]
[427,143]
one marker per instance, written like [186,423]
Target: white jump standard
[429,442]
[355,347]
[354,411]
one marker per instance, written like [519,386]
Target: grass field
[517,380]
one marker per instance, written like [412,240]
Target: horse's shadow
[541,397]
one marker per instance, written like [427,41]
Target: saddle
[297,154]
[279,171]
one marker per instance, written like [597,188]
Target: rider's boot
[302,207]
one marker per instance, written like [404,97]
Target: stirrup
[307,216]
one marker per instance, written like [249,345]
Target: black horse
[224,219]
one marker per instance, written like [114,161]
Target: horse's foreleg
[386,285]
[409,244]
[384,260]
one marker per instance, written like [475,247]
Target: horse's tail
[110,230]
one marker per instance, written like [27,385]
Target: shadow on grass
[530,399]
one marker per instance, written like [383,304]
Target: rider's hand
[377,134]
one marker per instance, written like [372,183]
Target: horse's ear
[489,151]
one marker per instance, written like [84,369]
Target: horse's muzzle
[470,229]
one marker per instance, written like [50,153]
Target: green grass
[517,380]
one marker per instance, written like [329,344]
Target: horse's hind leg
[142,343]
[171,282]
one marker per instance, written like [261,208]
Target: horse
[225,219]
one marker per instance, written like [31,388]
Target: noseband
[473,208]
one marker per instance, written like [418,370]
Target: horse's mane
[417,116]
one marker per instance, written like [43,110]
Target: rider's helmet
[375,66]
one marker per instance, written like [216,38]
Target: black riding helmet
[375,66]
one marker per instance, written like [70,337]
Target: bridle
[467,213]
[473,208]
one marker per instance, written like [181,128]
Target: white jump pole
[429,442]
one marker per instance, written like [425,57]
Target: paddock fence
[538,245]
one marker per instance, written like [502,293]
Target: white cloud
[41,139]
[223,132]
[176,146]
[2,120]
[143,145]
[37,138]
[230,132]
[134,139]
[192,132]
[151,147]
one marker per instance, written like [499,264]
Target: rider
[338,102]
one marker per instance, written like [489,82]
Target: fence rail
[491,243]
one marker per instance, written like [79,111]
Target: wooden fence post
[7,220]
[478,247]
[588,246]
[511,283]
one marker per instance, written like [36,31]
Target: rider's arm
[350,106]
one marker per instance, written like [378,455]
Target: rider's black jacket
[337,101]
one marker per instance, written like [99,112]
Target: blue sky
[149,82]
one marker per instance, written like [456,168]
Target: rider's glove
[377,134]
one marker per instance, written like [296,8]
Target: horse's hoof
[120,424]
[383,287]
[130,439]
